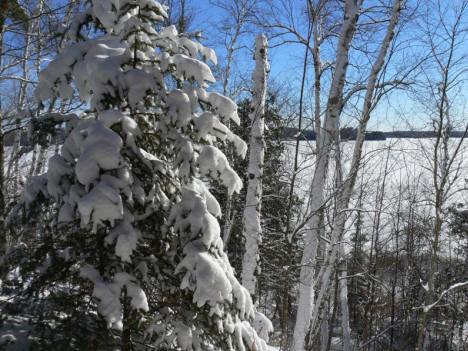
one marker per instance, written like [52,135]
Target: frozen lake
[400,171]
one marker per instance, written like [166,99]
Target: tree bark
[288,236]
[306,288]
[3,9]
[330,134]
[343,286]
[442,159]
[21,104]
[38,70]
[345,192]
[252,213]
[126,341]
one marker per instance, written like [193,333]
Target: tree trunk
[329,136]
[3,9]
[15,156]
[126,341]
[334,312]
[38,70]
[343,286]
[306,288]
[395,268]
[288,235]
[441,163]
[252,213]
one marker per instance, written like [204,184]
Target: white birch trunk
[343,286]
[38,70]
[252,213]
[348,185]
[318,70]
[306,288]
[42,154]
[325,331]
[41,159]
[21,105]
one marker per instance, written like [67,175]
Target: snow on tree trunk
[334,106]
[38,70]
[15,155]
[41,160]
[2,191]
[306,287]
[343,286]
[3,8]
[324,333]
[348,185]
[252,213]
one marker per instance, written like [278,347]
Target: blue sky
[286,61]
[286,64]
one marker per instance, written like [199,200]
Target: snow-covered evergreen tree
[133,224]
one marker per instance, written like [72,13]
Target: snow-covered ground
[410,161]
[405,164]
[400,172]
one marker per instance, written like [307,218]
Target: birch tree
[13,166]
[347,186]
[31,30]
[306,289]
[233,29]
[443,40]
[309,311]
[283,23]
[9,10]
[252,213]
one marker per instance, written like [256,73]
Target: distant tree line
[349,133]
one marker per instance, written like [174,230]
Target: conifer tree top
[127,183]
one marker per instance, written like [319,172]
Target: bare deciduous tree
[446,29]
